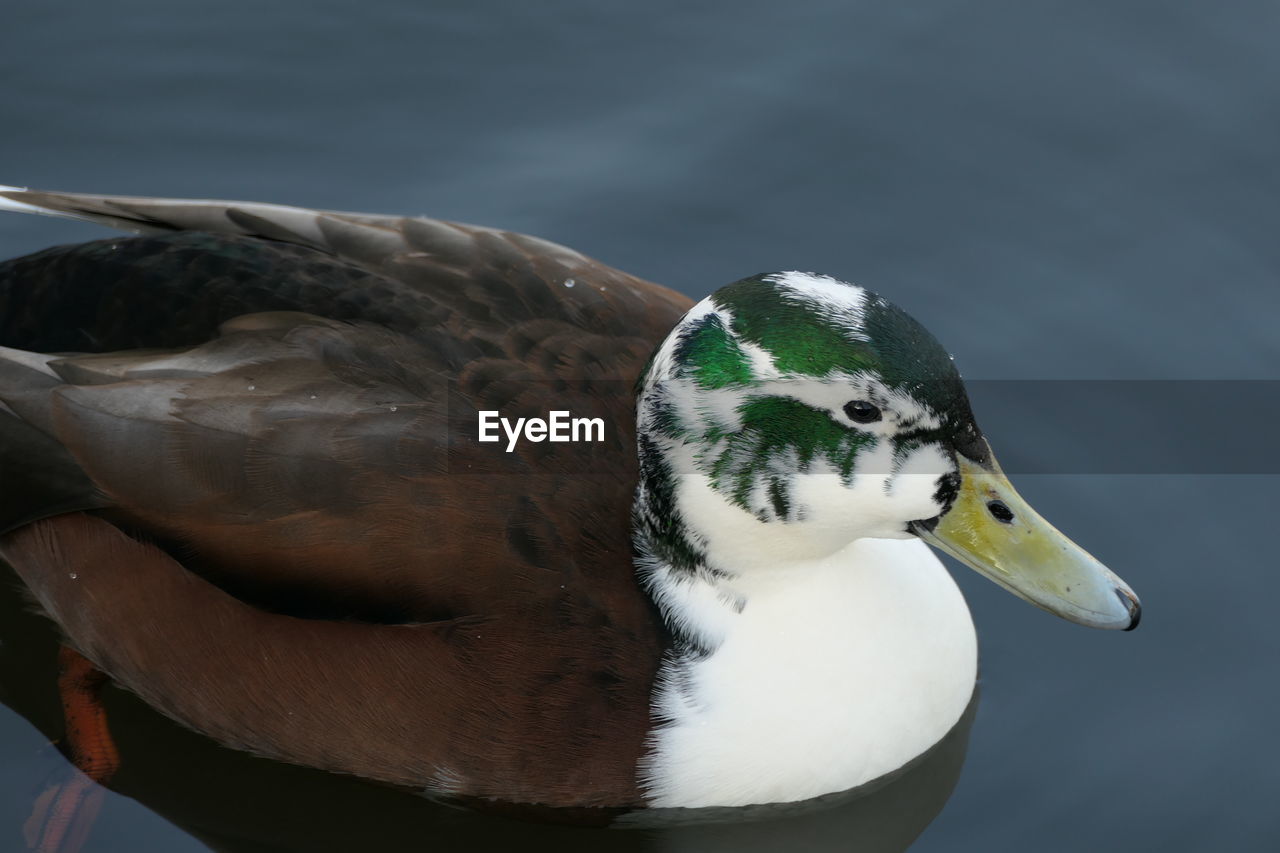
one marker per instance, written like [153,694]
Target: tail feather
[10,200]
[141,215]
[155,215]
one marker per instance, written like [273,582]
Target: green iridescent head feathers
[781,327]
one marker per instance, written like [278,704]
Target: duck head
[790,414]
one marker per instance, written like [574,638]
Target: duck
[254,474]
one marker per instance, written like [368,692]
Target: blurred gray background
[1058,190]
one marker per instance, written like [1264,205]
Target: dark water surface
[1058,190]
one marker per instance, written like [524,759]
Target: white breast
[834,673]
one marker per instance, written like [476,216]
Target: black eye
[861,412]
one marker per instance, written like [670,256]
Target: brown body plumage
[292,541]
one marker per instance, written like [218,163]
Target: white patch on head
[760,359]
[915,479]
[835,672]
[706,407]
[881,499]
[839,302]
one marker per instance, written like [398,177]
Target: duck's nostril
[1000,512]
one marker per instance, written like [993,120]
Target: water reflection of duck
[262,507]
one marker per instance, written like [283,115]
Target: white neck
[819,674]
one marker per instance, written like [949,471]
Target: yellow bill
[990,528]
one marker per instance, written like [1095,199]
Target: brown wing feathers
[304,463]
[444,706]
